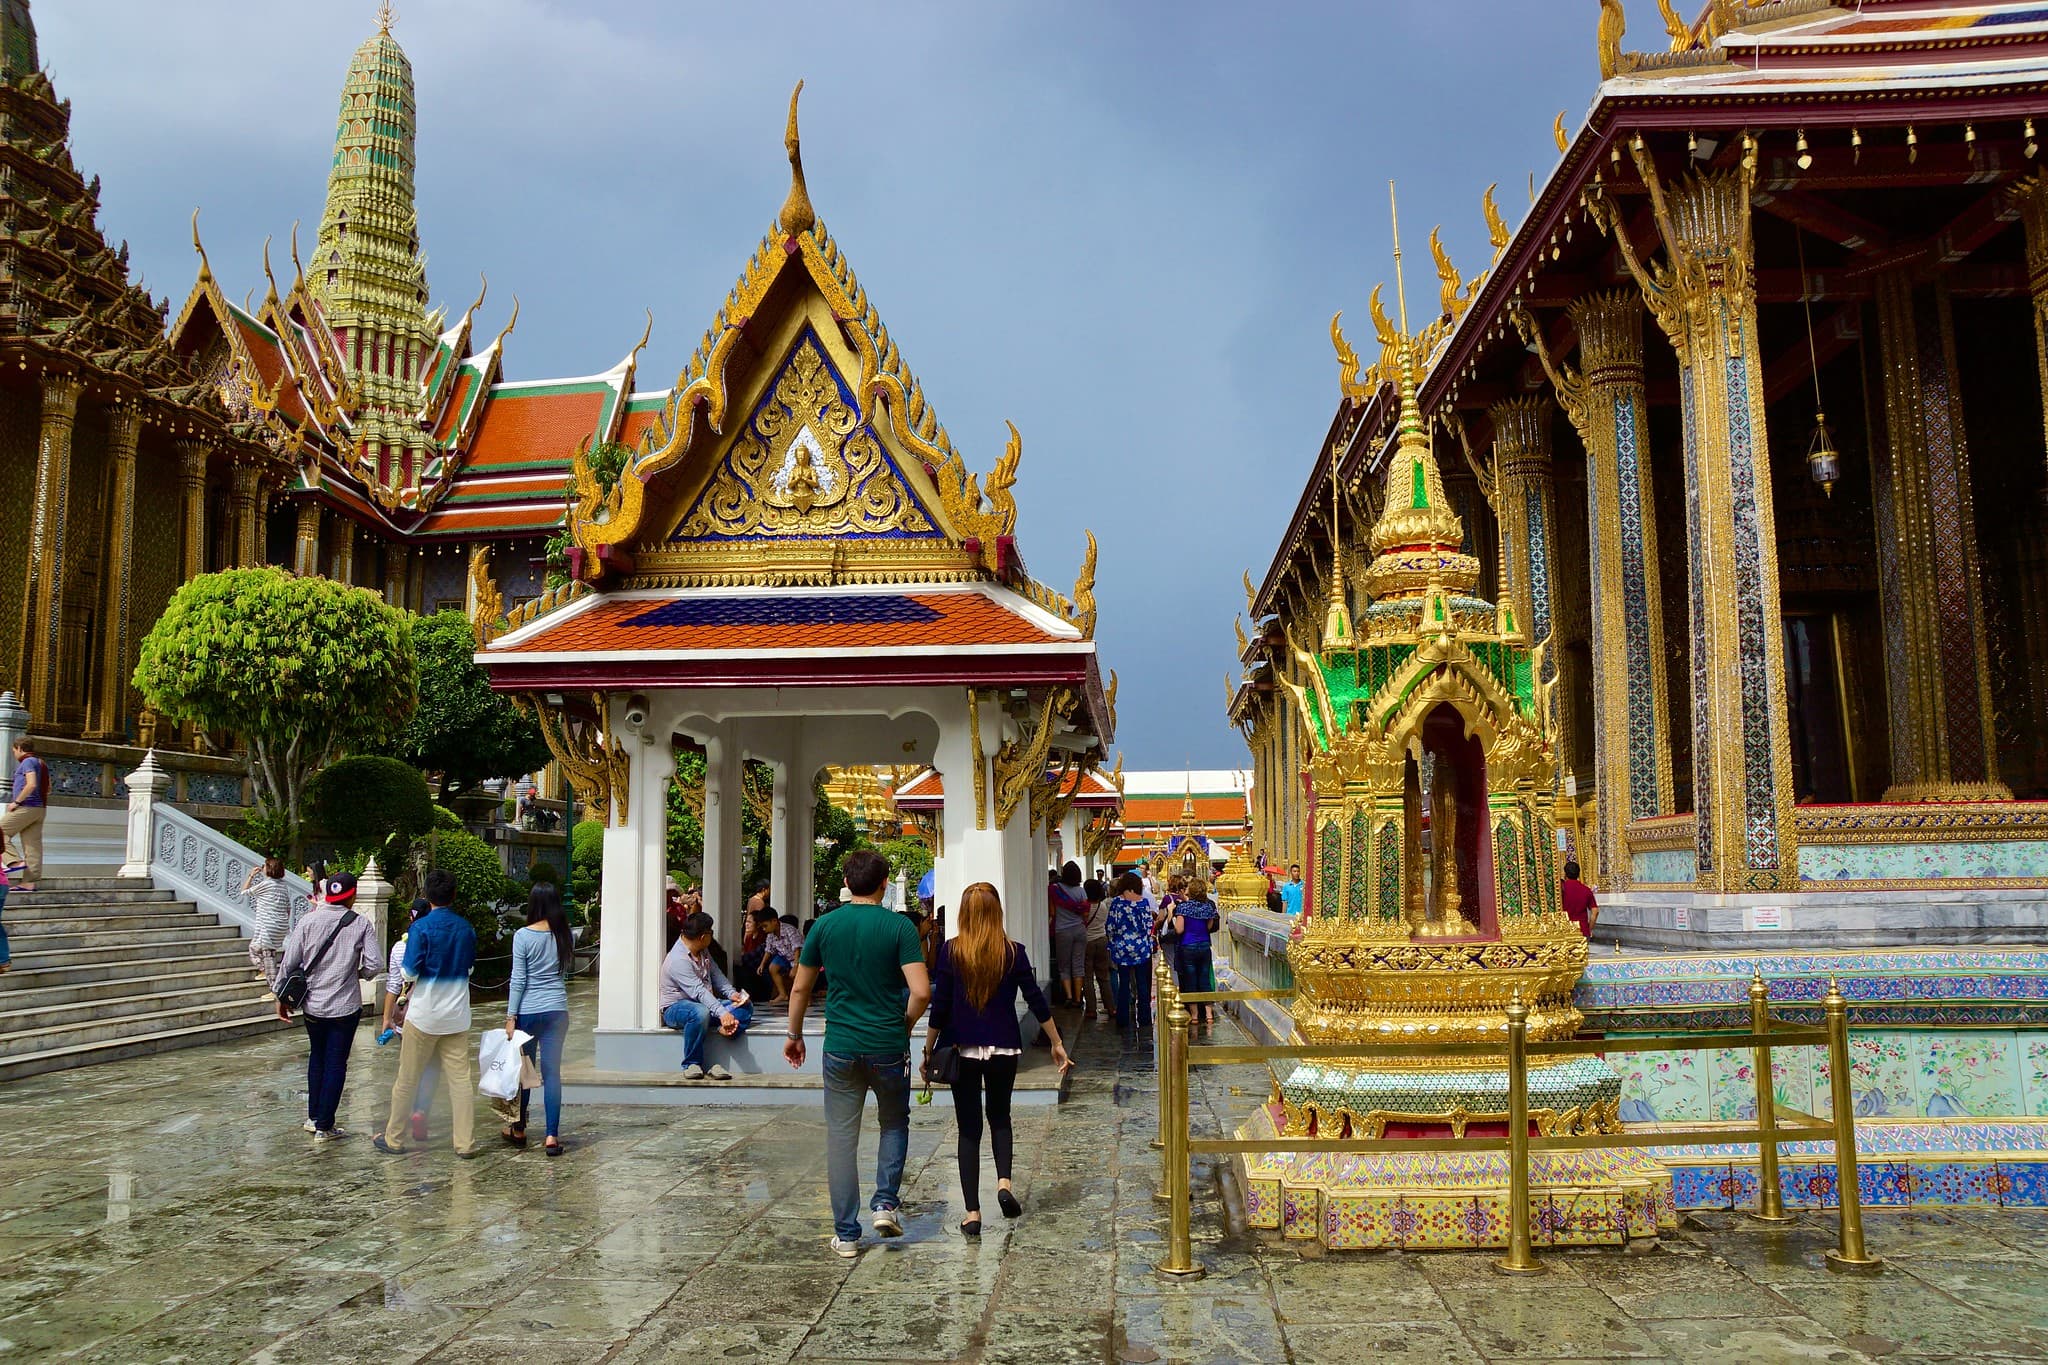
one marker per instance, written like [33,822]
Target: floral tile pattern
[1968,1075]
[1912,862]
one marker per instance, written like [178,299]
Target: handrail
[1774,1123]
[190,857]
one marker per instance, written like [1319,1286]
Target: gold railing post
[1850,1255]
[1180,1260]
[1520,1260]
[1158,1042]
[1770,1197]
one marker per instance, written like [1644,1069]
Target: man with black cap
[333,948]
[440,950]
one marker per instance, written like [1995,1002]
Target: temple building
[1164,812]
[96,409]
[1738,423]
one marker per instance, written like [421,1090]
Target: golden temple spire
[797,215]
[386,17]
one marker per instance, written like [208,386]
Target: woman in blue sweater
[542,953]
[980,974]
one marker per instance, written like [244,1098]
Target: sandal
[516,1135]
[553,1147]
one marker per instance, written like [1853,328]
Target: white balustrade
[181,854]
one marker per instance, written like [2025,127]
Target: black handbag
[942,1065]
[291,992]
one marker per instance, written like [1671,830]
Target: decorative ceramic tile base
[1914,1163]
[1442,1200]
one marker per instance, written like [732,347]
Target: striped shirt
[271,899]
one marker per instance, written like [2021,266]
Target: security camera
[636,711]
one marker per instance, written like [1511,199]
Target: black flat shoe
[972,1229]
[555,1148]
[1011,1208]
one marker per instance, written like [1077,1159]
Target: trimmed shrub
[543,872]
[479,879]
[446,819]
[374,803]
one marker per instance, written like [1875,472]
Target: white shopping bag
[497,1063]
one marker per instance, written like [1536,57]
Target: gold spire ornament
[797,215]
[386,17]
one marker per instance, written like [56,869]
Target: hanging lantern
[1823,460]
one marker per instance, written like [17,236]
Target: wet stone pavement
[170,1209]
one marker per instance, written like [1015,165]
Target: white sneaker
[842,1247]
[888,1223]
[311,1126]
[693,1072]
[719,1073]
[319,1136]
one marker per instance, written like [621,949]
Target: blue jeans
[692,1019]
[847,1082]
[328,1042]
[5,956]
[1133,986]
[550,1029]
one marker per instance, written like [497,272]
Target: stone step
[58,951]
[232,973]
[96,966]
[59,1037]
[29,909]
[150,997]
[124,942]
[48,895]
[108,882]
[63,1057]
[45,926]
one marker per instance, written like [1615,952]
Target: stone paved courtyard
[170,1209]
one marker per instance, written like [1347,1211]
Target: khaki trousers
[23,828]
[458,1072]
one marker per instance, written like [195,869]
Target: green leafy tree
[479,878]
[303,669]
[462,729]
[370,802]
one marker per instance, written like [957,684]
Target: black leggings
[999,1075]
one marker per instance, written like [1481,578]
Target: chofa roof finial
[797,214]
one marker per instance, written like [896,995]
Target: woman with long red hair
[980,974]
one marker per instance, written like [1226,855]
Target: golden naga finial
[272,279]
[1496,230]
[510,323]
[797,215]
[1084,591]
[483,290]
[486,604]
[298,270]
[205,266]
[1613,24]
[1449,283]
[1001,502]
[1557,131]
[1243,640]
[1251,595]
[1109,699]
[1347,360]
[1681,34]
[641,344]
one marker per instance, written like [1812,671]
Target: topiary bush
[479,879]
[586,869]
[375,803]
[446,819]
[543,872]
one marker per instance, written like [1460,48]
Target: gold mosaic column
[344,551]
[42,629]
[1525,503]
[1631,712]
[394,574]
[192,458]
[1937,679]
[306,544]
[1704,297]
[110,712]
[242,480]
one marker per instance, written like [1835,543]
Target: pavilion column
[110,713]
[724,799]
[1704,298]
[42,623]
[306,543]
[242,484]
[1937,678]
[635,843]
[395,557]
[1525,505]
[789,838]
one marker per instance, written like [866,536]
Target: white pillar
[14,719]
[972,854]
[724,798]
[147,785]
[654,766]
[373,903]
[635,854]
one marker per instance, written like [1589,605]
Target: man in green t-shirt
[873,959]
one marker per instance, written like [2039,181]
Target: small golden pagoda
[1434,900]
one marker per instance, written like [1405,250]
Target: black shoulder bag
[291,992]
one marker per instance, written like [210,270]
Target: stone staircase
[106,968]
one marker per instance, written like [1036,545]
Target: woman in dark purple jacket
[980,974]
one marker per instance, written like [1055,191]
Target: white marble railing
[179,853]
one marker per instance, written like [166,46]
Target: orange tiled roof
[465,380]
[809,620]
[928,789]
[522,425]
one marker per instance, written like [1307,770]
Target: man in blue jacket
[440,950]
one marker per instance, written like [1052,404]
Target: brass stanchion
[1770,1197]
[1159,977]
[1180,1260]
[1850,1255]
[1520,1260]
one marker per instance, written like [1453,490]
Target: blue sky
[1123,227]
